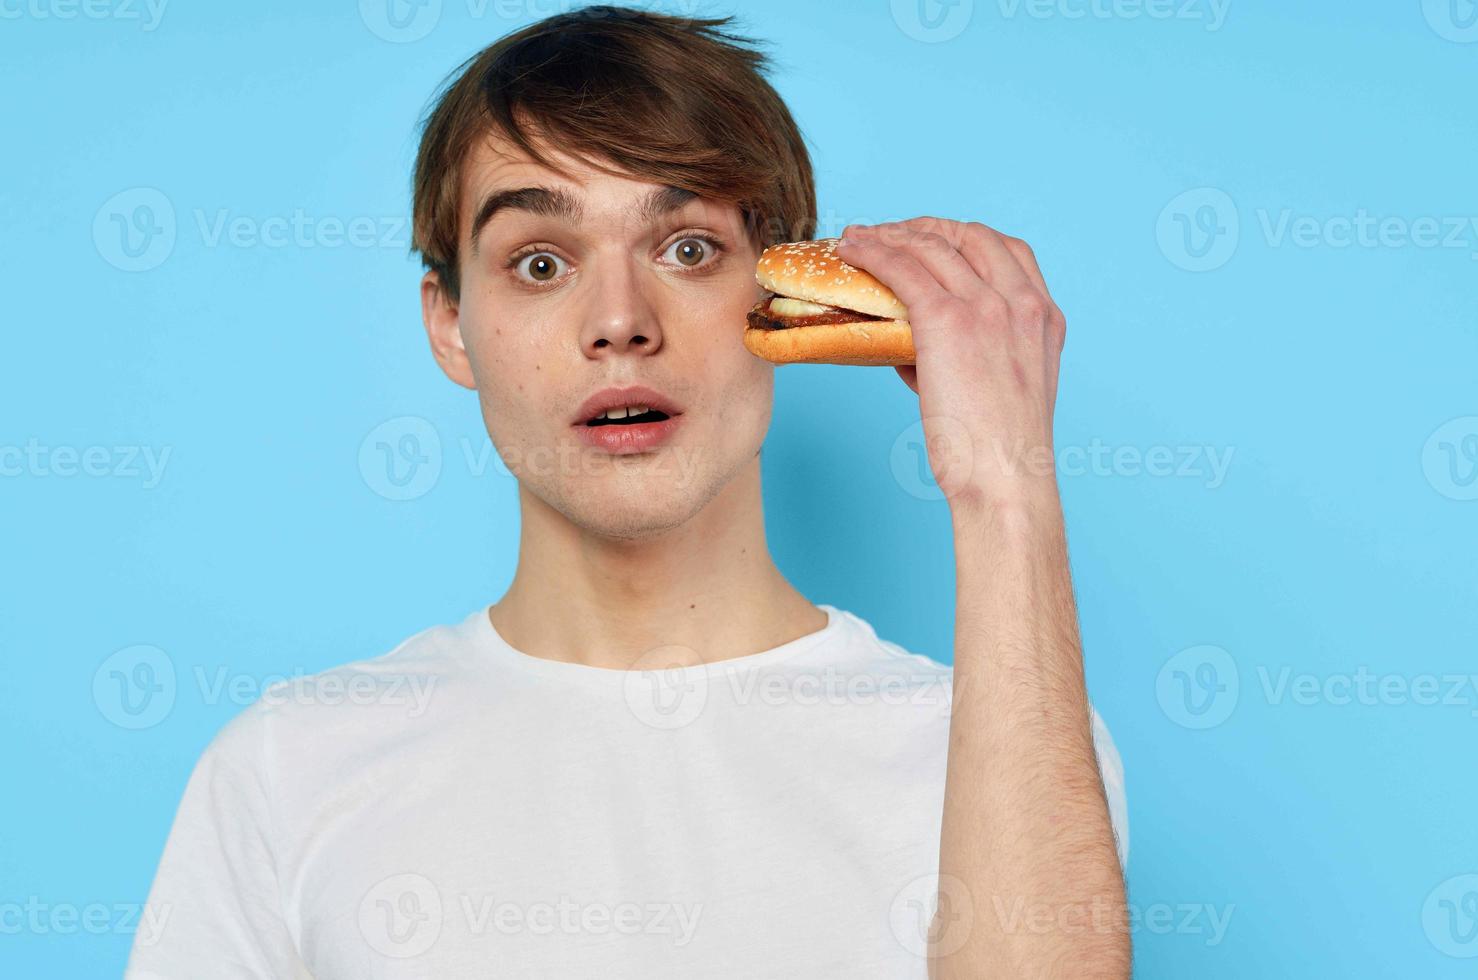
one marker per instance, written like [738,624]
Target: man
[653,756]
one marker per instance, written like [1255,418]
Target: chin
[640,510]
[644,495]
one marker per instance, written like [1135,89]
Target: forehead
[495,163]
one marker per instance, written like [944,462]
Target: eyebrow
[556,203]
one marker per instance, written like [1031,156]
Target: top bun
[813,271]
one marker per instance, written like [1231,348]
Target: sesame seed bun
[812,271]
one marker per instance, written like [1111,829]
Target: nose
[621,319]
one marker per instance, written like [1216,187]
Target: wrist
[1020,489]
[1013,503]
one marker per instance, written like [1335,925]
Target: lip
[624,439]
[608,398]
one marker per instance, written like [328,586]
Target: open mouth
[610,418]
[635,428]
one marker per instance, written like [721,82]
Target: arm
[1026,821]
[215,907]
[1026,838]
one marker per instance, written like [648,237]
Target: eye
[540,267]
[691,251]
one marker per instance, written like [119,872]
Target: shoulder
[867,652]
[381,692]
[419,663]
[884,657]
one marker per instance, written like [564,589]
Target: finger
[1041,300]
[944,262]
[913,284]
[982,247]
[1019,281]
[986,248]
[910,375]
[1028,261]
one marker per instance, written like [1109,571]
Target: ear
[440,314]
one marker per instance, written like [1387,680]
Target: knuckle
[980,231]
[951,231]
[994,306]
[932,241]
[1031,304]
[944,231]
[891,233]
[946,308]
[1020,248]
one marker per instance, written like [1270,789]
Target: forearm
[1026,837]
[1026,827]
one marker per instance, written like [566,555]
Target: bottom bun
[879,343]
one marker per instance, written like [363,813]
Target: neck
[703,591]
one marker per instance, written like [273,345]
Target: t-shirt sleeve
[214,910]
[1111,767]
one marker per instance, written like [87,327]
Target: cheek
[743,383]
[506,345]
[510,366]
[746,398]
[721,322]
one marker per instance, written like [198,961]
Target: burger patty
[761,318]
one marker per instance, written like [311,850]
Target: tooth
[615,413]
[639,410]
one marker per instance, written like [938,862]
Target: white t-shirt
[457,808]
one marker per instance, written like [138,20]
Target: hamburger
[820,310]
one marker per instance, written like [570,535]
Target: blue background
[1340,540]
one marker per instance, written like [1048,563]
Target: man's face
[590,281]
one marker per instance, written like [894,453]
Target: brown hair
[673,100]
